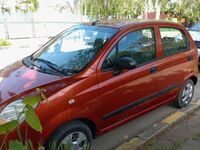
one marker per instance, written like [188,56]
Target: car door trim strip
[139,102]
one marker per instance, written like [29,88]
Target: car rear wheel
[71,136]
[186,94]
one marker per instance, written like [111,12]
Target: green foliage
[21,5]
[3,7]
[41,148]
[29,144]
[98,9]
[128,9]
[197,137]
[32,5]
[31,100]
[8,127]
[17,145]
[4,42]
[41,93]
[189,9]
[153,144]
[65,147]
[62,147]
[32,119]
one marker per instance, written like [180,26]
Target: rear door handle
[153,69]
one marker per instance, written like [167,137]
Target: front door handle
[189,58]
[153,69]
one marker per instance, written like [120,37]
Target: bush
[30,117]
[4,42]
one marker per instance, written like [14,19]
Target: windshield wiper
[49,64]
[67,71]
[53,66]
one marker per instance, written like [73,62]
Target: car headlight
[12,111]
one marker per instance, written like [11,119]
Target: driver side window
[110,59]
[139,45]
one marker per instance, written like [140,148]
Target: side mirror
[127,63]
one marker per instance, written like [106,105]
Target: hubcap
[187,93]
[74,141]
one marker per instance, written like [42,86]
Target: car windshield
[195,27]
[73,49]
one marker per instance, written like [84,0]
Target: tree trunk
[157,6]
[32,24]
[146,9]
[5,27]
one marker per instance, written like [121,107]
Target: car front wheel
[72,136]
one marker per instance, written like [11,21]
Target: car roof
[118,23]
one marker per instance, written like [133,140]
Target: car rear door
[175,64]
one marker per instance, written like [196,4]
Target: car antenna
[94,22]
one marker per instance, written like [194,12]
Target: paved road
[19,49]
[185,135]
[116,137]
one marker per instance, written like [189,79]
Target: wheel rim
[187,93]
[74,141]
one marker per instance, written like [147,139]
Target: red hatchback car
[98,76]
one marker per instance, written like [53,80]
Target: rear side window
[173,41]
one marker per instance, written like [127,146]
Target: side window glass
[109,61]
[173,41]
[139,45]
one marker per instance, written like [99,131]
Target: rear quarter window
[173,40]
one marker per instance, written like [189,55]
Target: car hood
[17,80]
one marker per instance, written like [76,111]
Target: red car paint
[99,96]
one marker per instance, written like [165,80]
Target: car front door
[126,94]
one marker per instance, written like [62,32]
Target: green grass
[153,145]
[197,137]
[4,42]
[176,146]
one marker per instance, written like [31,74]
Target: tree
[27,5]
[30,6]
[189,9]
[71,6]
[4,10]
[99,9]
[3,7]
[157,6]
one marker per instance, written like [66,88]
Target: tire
[186,94]
[75,129]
